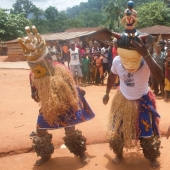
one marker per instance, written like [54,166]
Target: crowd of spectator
[91,63]
[161,54]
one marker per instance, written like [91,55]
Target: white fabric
[103,51]
[133,86]
[53,55]
[74,57]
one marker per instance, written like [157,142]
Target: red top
[114,52]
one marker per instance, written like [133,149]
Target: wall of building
[15,52]
[99,36]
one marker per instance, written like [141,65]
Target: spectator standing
[104,53]
[99,68]
[59,52]
[150,50]
[94,49]
[52,50]
[82,51]
[167,74]
[75,61]
[111,55]
[159,57]
[114,49]
[162,44]
[93,54]
[86,68]
[65,52]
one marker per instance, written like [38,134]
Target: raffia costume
[133,114]
[62,103]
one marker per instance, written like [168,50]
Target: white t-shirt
[105,60]
[53,52]
[132,85]
[74,57]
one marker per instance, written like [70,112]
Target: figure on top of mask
[130,5]
[129,22]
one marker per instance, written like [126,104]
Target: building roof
[89,29]
[157,29]
[70,34]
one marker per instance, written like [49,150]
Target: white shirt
[74,57]
[132,85]
[53,54]
[105,60]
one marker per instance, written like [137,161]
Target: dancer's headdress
[36,53]
[123,41]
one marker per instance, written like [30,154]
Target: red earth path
[18,114]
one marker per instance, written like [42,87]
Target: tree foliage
[23,6]
[114,11]
[93,13]
[12,25]
[51,13]
[154,13]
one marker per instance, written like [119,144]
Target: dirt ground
[18,114]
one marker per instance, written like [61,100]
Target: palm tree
[114,11]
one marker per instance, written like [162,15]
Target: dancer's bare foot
[42,160]
[118,159]
[84,159]
[154,164]
[168,132]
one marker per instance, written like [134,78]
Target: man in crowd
[75,62]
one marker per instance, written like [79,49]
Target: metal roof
[66,35]
[157,29]
[70,34]
[85,29]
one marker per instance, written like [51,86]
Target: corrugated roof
[68,34]
[157,29]
[85,29]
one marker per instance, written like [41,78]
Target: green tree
[23,6]
[73,12]
[114,12]
[12,26]
[154,13]
[90,18]
[51,13]
[75,23]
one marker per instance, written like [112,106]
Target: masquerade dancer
[62,103]
[133,114]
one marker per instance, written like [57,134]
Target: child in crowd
[99,68]
[86,67]
[92,70]
[65,52]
